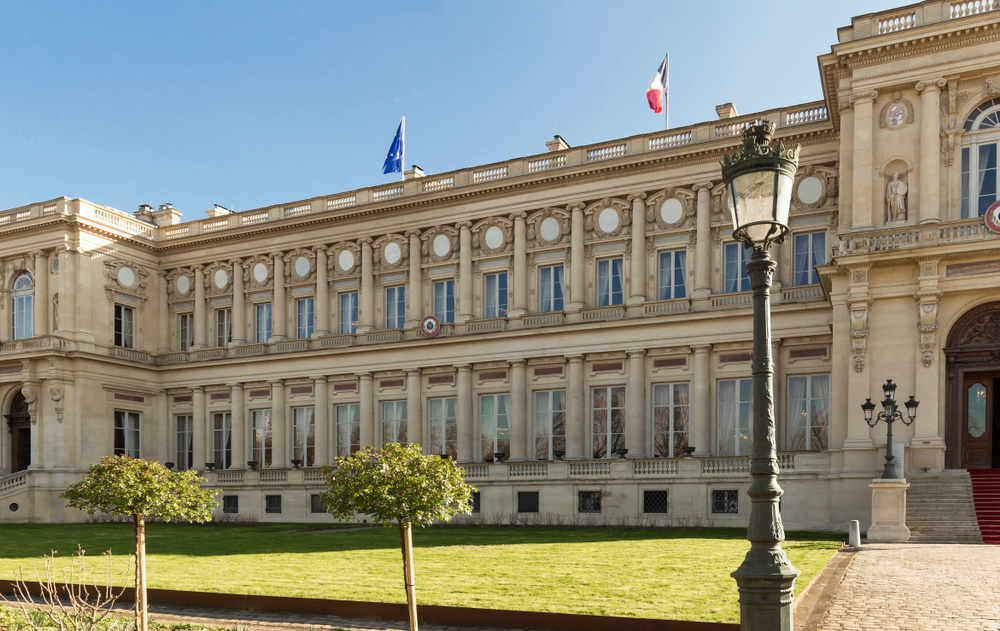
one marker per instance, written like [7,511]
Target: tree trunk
[406,539]
[141,606]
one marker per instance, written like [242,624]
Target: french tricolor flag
[656,93]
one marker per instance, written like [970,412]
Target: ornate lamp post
[759,181]
[890,414]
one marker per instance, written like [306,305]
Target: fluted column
[321,409]
[520,434]
[465,274]
[465,415]
[703,243]
[367,409]
[863,174]
[236,400]
[846,199]
[930,149]
[415,411]
[67,292]
[279,426]
[200,317]
[163,314]
[199,428]
[576,410]
[577,282]
[279,308]
[41,307]
[416,288]
[520,266]
[239,305]
[322,328]
[701,421]
[635,431]
[638,275]
[366,317]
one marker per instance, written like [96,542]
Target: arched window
[980,147]
[22,307]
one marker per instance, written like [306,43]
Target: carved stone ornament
[493,235]
[344,259]
[676,204]
[15,267]
[218,279]
[440,243]
[983,330]
[300,265]
[720,205]
[896,191]
[815,187]
[897,113]
[390,252]
[859,276]
[30,394]
[608,218]
[548,226]
[258,272]
[991,86]
[927,324]
[125,278]
[177,288]
[859,334]
[58,393]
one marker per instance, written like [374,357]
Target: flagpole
[666,94]
[402,151]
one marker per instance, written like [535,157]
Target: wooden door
[21,448]
[977,434]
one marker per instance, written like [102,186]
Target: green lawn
[670,574]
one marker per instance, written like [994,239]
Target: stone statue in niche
[895,196]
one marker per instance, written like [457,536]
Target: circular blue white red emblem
[992,217]
[430,326]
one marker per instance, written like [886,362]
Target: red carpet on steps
[986,492]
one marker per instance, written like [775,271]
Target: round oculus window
[494,237]
[301,266]
[126,276]
[607,220]
[392,253]
[55,264]
[671,211]
[260,272]
[549,229]
[442,245]
[220,278]
[810,190]
[345,260]
[183,284]
[896,115]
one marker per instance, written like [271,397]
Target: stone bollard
[854,535]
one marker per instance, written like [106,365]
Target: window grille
[272,504]
[316,504]
[527,501]
[590,501]
[231,504]
[654,502]
[726,502]
[475,502]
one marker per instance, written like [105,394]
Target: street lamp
[890,414]
[759,179]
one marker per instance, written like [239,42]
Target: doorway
[981,421]
[19,426]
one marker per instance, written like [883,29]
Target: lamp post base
[766,597]
[889,511]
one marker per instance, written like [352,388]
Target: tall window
[443,425]
[124,326]
[810,251]
[22,307]
[304,435]
[184,453]
[394,422]
[609,282]
[550,288]
[260,437]
[550,424]
[979,159]
[808,412]
[737,258]
[349,313]
[496,295]
[348,429]
[671,419]
[607,409]
[494,423]
[735,400]
[185,331]
[395,307]
[673,273]
[222,439]
[263,322]
[304,318]
[127,434]
[444,300]
[223,327]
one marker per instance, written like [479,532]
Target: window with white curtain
[607,413]
[260,437]
[184,442]
[222,440]
[223,327]
[550,424]
[808,427]
[496,295]
[980,145]
[124,326]
[185,331]
[395,307]
[810,251]
[673,273]
[494,423]
[609,282]
[304,318]
[442,422]
[394,422]
[444,300]
[263,322]
[349,313]
[348,429]
[736,279]
[304,435]
[550,288]
[127,434]
[735,415]
[671,419]
[22,307]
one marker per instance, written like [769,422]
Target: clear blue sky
[248,104]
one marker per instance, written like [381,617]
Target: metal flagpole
[666,93]
[402,151]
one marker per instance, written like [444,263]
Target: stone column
[41,297]
[279,306]
[635,428]
[578,262]
[701,420]
[199,448]
[465,415]
[236,400]
[846,199]
[239,305]
[930,149]
[366,315]
[703,243]
[200,316]
[279,428]
[163,313]
[67,292]
[321,407]
[367,409]
[520,434]
[465,274]
[165,433]
[863,173]
[576,410]
[415,411]
[416,288]
[322,328]
[520,266]
[638,274]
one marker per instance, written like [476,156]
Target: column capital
[703,186]
[364,376]
[40,253]
[276,382]
[200,389]
[701,348]
[236,386]
[635,196]
[277,255]
[413,233]
[322,379]
[859,97]
[162,273]
[415,372]
[319,248]
[197,268]
[517,362]
[236,262]
[463,367]
[365,241]
[574,359]
[641,352]
[521,216]
[578,207]
[935,83]
[464,225]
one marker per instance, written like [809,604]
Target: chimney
[218,211]
[557,143]
[413,173]
[145,213]
[167,215]
[726,110]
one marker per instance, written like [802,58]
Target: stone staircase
[940,509]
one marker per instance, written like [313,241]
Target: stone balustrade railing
[913,16]
[907,237]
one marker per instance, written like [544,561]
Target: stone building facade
[593,347]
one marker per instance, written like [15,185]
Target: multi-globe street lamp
[759,178]
[890,414]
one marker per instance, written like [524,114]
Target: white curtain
[132,434]
[987,166]
[546,288]
[227,431]
[491,296]
[820,412]
[487,419]
[603,283]
[797,419]
[728,414]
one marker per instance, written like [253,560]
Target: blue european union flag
[394,161]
